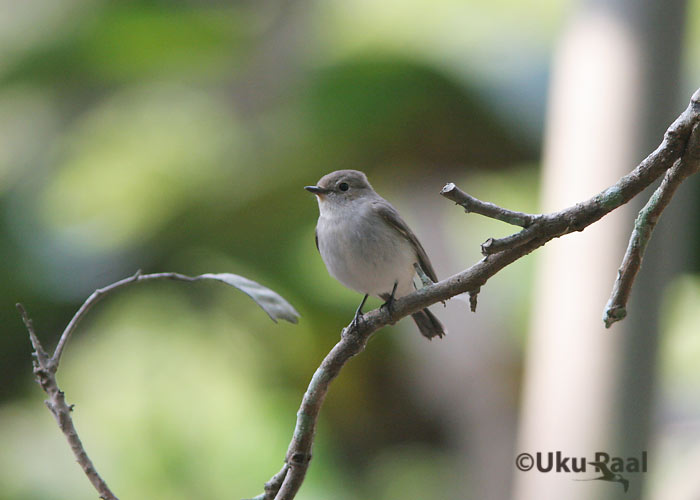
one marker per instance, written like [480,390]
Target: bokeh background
[177,136]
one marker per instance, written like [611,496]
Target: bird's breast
[365,254]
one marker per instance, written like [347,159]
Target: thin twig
[644,224]
[473,294]
[471,204]
[45,367]
[99,294]
[274,305]
[581,215]
[540,230]
[45,373]
[40,355]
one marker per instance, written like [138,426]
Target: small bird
[608,475]
[367,246]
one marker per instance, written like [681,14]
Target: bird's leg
[389,304]
[358,313]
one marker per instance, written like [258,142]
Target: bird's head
[341,188]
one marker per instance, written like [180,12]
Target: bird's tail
[428,324]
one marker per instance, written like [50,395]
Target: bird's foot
[359,317]
[389,301]
[357,320]
[389,305]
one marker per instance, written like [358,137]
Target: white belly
[365,257]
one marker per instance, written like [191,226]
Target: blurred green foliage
[176,137]
[129,42]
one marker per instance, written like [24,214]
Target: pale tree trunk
[587,389]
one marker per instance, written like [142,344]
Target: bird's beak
[316,190]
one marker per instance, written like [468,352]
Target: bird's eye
[343,186]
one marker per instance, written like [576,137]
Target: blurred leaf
[402,111]
[128,42]
[271,302]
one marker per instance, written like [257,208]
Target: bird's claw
[389,305]
[357,320]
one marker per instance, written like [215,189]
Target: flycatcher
[367,246]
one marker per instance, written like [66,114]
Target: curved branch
[45,367]
[270,301]
[95,297]
[538,230]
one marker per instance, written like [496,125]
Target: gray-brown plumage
[367,246]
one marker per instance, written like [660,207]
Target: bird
[367,246]
[608,475]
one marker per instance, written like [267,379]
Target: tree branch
[537,231]
[45,367]
[644,225]
[677,156]
[45,373]
[471,204]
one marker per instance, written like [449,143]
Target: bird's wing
[393,219]
[316,238]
